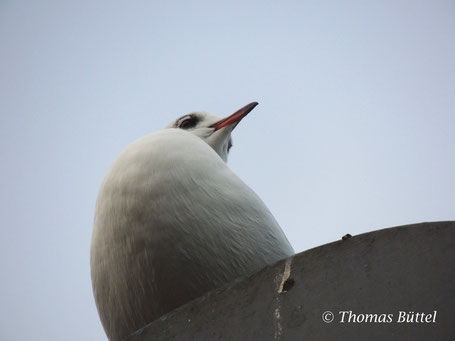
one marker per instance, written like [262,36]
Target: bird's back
[172,222]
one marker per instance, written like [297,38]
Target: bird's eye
[187,123]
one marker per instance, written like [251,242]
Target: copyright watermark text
[348,316]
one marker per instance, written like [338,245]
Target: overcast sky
[354,130]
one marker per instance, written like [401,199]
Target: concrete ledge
[409,268]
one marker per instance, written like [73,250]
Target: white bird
[173,222]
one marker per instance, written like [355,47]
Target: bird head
[214,130]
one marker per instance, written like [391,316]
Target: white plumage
[172,222]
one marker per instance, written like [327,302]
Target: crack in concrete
[277,314]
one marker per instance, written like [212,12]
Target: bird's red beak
[235,118]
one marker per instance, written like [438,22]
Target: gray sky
[354,131]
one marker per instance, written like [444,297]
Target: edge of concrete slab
[366,283]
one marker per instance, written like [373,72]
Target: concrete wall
[408,268]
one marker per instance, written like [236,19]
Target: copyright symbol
[327,316]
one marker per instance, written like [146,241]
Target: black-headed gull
[173,222]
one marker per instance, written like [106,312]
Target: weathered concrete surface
[407,268]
